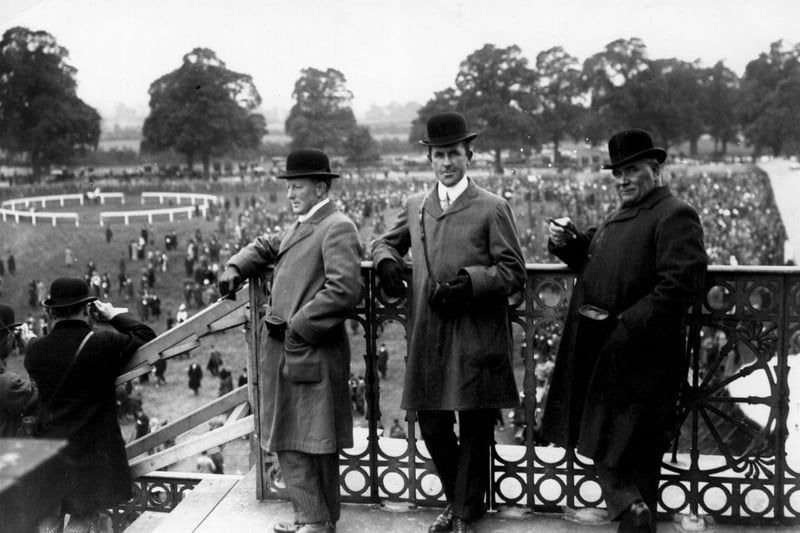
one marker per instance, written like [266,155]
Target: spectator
[75,369]
[12,264]
[195,377]
[619,369]
[205,464]
[214,361]
[17,393]
[316,283]
[383,360]
[397,431]
[467,262]
[225,381]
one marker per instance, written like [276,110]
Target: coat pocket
[301,363]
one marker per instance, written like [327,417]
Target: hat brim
[657,153]
[50,304]
[447,141]
[320,174]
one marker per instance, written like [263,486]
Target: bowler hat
[7,318]
[308,163]
[447,128]
[632,145]
[68,291]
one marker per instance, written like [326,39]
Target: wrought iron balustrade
[729,457]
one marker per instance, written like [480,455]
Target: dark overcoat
[84,409]
[615,382]
[316,286]
[463,362]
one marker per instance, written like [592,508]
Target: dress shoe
[285,527]
[635,519]
[462,526]
[443,522]
[317,527]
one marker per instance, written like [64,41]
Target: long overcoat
[84,409]
[463,362]
[615,382]
[316,286]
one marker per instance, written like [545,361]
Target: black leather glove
[390,278]
[229,281]
[451,297]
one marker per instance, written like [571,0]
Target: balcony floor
[240,512]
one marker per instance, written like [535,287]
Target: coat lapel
[304,229]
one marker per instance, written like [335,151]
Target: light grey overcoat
[316,286]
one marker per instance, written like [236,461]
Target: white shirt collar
[317,207]
[454,191]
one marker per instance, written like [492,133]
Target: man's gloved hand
[229,280]
[390,278]
[451,297]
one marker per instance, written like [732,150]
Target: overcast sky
[398,50]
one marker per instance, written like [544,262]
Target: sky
[397,51]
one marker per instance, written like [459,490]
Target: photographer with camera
[467,262]
[75,369]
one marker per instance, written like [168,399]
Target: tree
[559,89]
[605,76]
[321,116]
[495,90]
[360,148]
[203,109]
[40,112]
[719,105]
[767,111]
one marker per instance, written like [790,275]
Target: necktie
[445,202]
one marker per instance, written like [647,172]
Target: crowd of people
[740,222]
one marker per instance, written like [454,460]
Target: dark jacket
[463,362]
[84,409]
[615,382]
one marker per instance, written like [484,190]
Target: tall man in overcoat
[621,359]
[466,263]
[75,369]
[306,415]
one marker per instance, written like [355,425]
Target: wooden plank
[197,504]
[200,325]
[147,522]
[221,405]
[191,447]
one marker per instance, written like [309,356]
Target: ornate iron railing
[729,455]
[729,458]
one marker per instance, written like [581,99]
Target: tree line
[203,110]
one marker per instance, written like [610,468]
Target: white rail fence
[37,215]
[10,209]
[193,198]
[126,216]
[62,199]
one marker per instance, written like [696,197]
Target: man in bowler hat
[621,360]
[75,369]
[467,261]
[305,413]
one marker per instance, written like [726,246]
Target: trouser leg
[312,485]
[463,465]
[635,479]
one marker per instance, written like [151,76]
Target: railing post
[253,381]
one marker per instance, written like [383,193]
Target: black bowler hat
[632,145]
[308,163]
[68,291]
[447,128]
[7,318]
